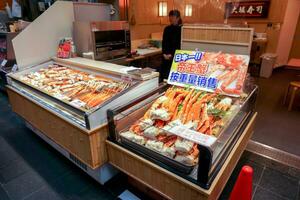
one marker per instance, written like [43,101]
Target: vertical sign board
[209,71]
[248,9]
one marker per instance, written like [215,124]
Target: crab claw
[151,132]
[160,114]
[134,137]
[224,104]
[183,145]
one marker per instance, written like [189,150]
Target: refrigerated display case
[67,101]
[64,101]
[129,128]
[78,94]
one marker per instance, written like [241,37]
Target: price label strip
[126,69]
[15,68]
[3,63]
[60,96]
[126,77]
[194,136]
[77,103]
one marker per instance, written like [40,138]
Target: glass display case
[186,131]
[79,94]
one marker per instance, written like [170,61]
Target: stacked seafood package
[205,97]
[78,92]
[200,111]
[78,88]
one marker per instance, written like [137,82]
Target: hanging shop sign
[250,9]
[209,71]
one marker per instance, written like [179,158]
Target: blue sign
[182,57]
[195,80]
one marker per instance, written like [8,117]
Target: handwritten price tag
[194,136]
[60,96]
[15,68]
[3,63]
[127,78]
[77,103]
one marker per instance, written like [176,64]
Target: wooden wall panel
[277,10]
[144,31]
[145,12]
[3,4]
[240,36]
[207,11]
[295,51]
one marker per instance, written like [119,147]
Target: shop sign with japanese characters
[255,9]
[209,71]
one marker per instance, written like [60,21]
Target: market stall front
[183,141]
[167,183]
[64,101]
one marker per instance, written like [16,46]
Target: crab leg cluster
[69,84]
[199,111]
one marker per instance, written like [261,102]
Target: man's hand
[167,56]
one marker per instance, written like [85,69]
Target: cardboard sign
[249,9]
[209,71]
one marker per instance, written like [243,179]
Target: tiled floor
[31,169]
[276,126]
[271,180]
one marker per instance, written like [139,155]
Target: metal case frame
[88,119]
[209,162]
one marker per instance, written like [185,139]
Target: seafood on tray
[200,111]
[74,86]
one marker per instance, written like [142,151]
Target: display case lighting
[162,8]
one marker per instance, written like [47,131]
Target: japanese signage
[256,9]
[209,71]
[191,135]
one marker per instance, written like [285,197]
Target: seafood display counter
[181,142]
[67,101]
[64,101]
